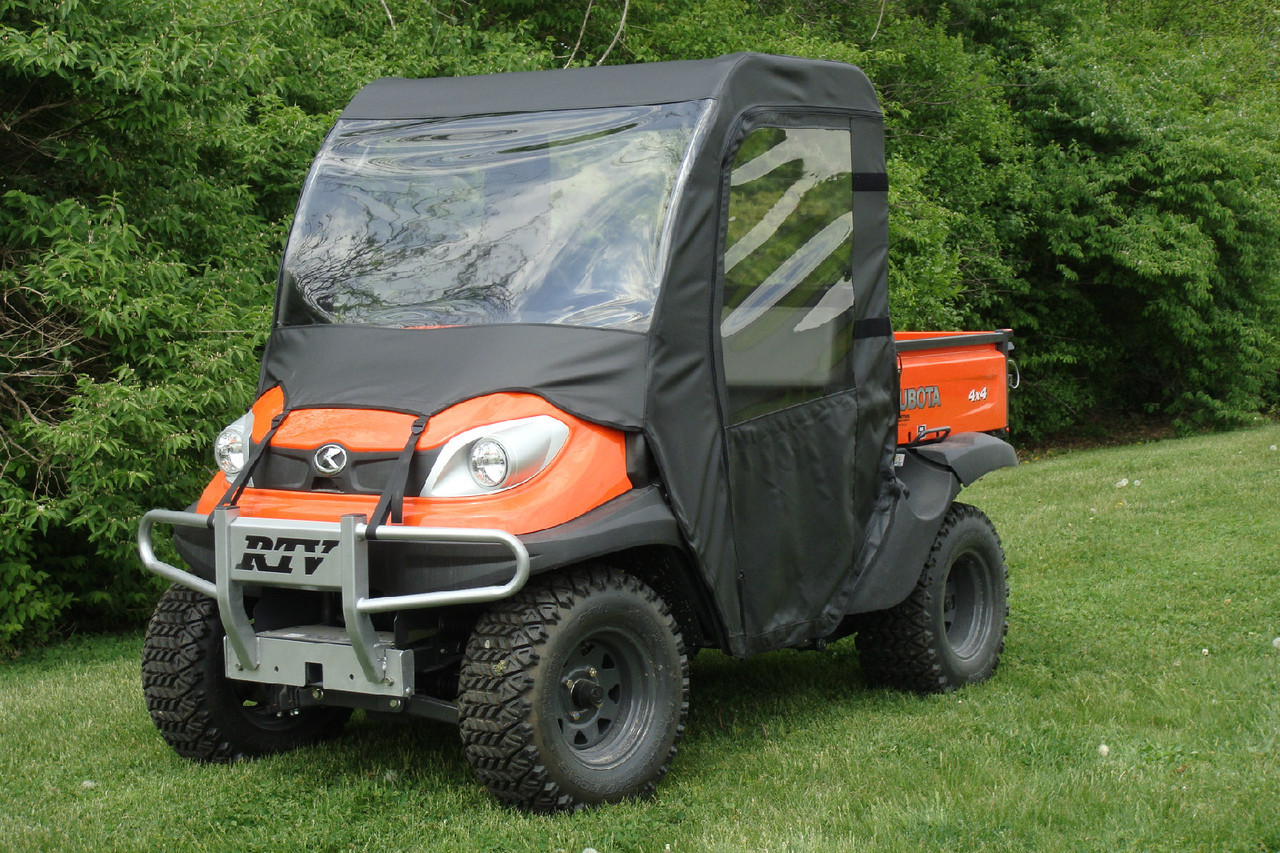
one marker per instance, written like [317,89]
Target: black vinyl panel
[596,374]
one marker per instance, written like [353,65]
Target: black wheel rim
[605,700]
[966,604]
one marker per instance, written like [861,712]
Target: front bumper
[324,556]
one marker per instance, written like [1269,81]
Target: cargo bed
[952,382]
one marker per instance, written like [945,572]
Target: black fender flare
[195,546]
[929,477]
[969,455]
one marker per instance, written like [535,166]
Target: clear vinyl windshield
[553,217]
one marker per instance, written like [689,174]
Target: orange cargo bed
[952,382]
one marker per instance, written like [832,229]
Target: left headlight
[495,457]
[231,448]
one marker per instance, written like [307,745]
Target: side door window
[786,324]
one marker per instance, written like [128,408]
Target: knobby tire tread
[496,686]
[900,647]
[180,637]
[180,657]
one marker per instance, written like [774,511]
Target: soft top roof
[739,81]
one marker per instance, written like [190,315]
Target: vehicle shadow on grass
[733,705]
[778,689]
[375,745]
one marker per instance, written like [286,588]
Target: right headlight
[495,457]
[490,464]
[231,447]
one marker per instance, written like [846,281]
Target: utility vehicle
[572,374]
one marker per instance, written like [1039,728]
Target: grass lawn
[1146,598]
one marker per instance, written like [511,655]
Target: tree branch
[573,53]
[622,24]
[21,403]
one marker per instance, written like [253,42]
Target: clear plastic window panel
[787,318]
[556,217]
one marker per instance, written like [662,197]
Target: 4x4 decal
[258,550]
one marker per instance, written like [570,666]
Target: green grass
[1143,618]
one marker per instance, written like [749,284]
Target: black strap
[870,182]
[872,327]
[392,500]
[242,479]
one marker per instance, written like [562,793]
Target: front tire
[201,713]
[950,631]
[574,692]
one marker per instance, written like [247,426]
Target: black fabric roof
[737,80]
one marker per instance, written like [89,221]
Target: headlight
[232,445]
[495,457]
[489,463]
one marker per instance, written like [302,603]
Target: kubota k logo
[330,460]
[260,549]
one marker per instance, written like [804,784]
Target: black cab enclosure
[752,350]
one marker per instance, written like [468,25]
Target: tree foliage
[151,155]
[1150,270]
[1101,176]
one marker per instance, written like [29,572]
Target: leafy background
[1103,177]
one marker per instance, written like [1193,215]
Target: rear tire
[950,631]
[201,713]
[574,691]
